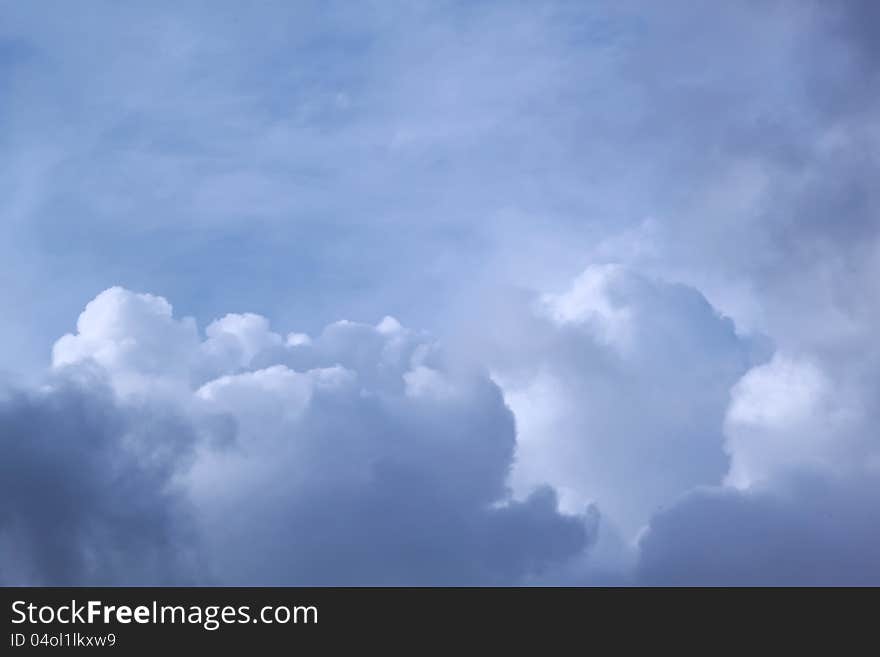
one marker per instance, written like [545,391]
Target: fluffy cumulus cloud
[620,385]
[360,456]
[789,415]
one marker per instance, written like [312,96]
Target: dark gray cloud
[85,489]
[807,530]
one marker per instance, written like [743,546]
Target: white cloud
[363,455]
[619,386]
[787,415]
[134,337]
[240,337]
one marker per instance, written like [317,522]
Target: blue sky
[630,250]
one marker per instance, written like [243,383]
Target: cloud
[363,455]
[804,531]
[710,170]
[619,385]
[87,492]
[133,337]
[789,415]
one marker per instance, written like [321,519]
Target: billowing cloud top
[361,456]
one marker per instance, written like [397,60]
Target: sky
[440,293]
